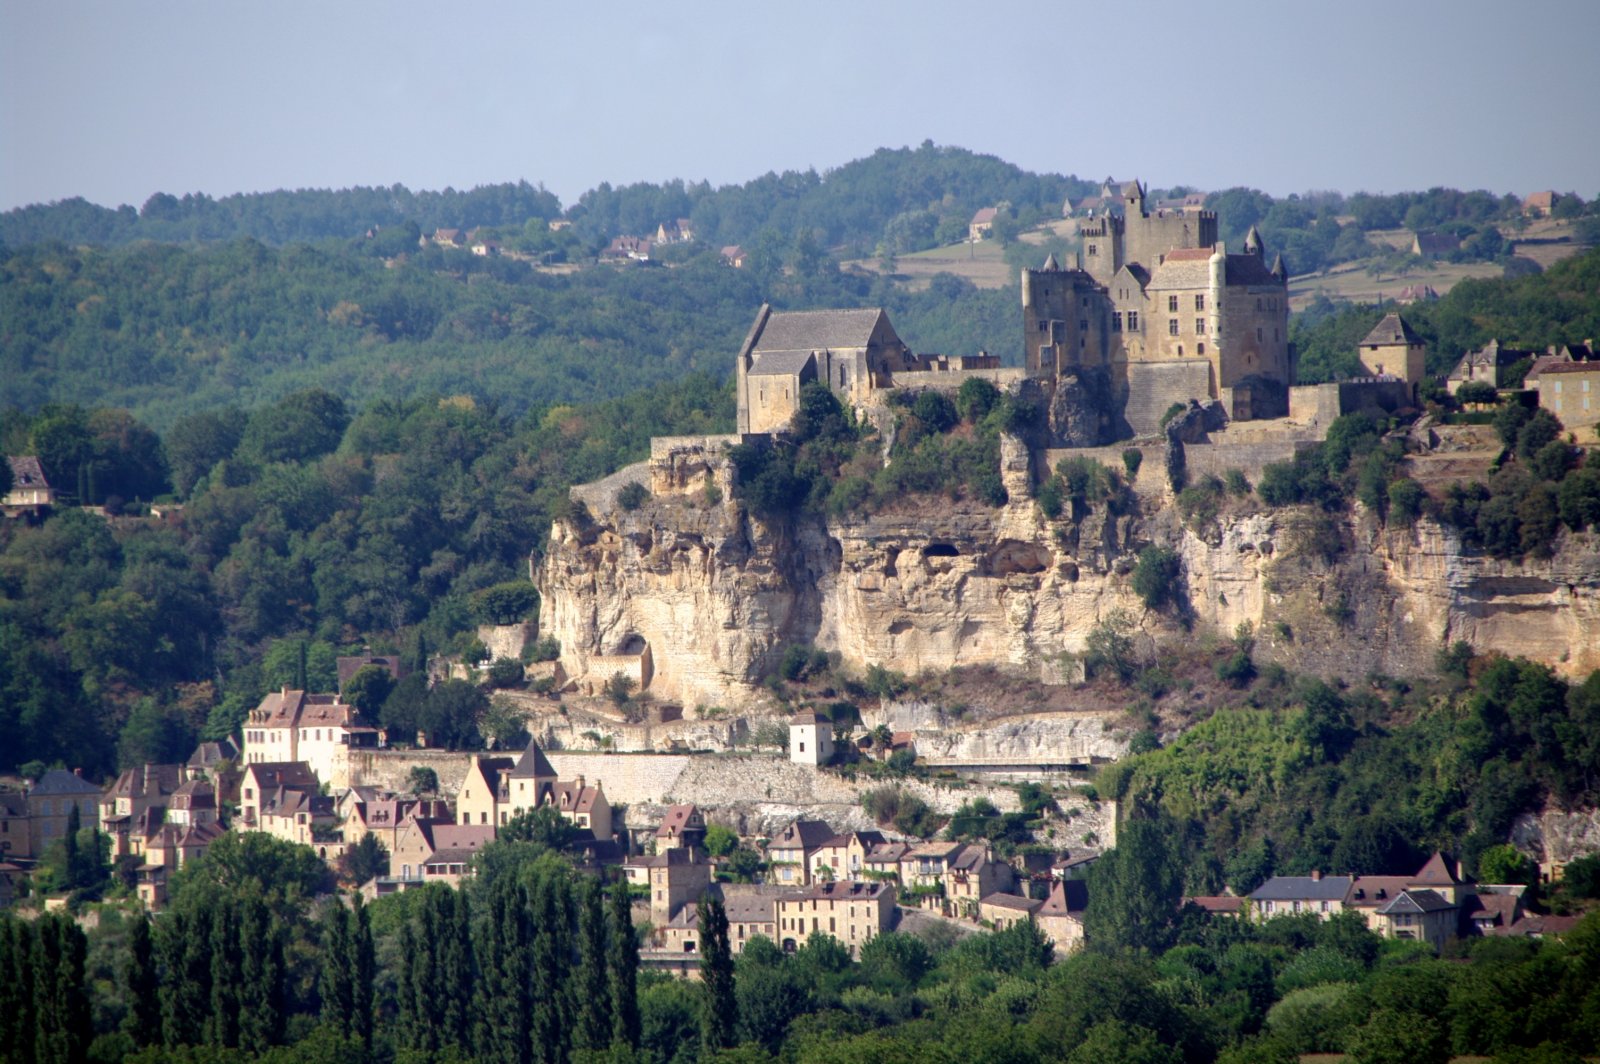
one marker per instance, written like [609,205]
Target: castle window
[1043,326]
[1172,304]
[1133,321]
[1116,321]
[1199,349]
[1258,334]
[1180,350]
[1200,326]
[1094,249]
[1200,302]
[1258,302]
[1083,324]
[1172,326]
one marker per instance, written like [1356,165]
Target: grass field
[983,263]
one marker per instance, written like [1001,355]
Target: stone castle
[1155,313]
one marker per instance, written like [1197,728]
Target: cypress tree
[503,1029]
[71,864]
[363,972]
[16,988]
[716,976]
[61,1005]
[426,977]
[186,950]
[222,1024]
[455,970]
[143,1020]
[624,970]
[260,979]
[335,986]
[405,994]
[594,985]
[551,1027]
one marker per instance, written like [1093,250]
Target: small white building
[810,739]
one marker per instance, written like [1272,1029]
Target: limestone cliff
[698,598]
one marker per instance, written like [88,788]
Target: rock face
[716,595]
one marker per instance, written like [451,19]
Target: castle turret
[1252,243]
[1279,270]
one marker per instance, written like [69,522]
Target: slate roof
[146,781]
[26,471]
[1568,367]
[1178,272]
[1302,888]
[1013,901]
[570,797]
[282,774]
[1222,904]
[1067,896]
[1249,270]
[349,666]
[676,820]
[840,892]
[781,363]
[1437,243]
[749,908]
[1436,873]
[984,215]
[803,833]
[1415,901]
[1391,330]
[818,330]
[532,764]
[208,754]
[60,781]
[1371,891]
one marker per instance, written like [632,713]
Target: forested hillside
[165,330]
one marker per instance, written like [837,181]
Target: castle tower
[1395,349]
[1064,320]
[1252,243]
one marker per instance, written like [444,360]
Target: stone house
[168,849]
[382,816]
[532,783]
[1489,364]
[478,799]
[790,852]
[1570,391]
[1000,911]
[15,840]
[733,255]
[124,802]
[193,803]
[1061,915]
[853,352]
[1421,915]
[1287,895]
[684,827]
[1394,349]
[750,910]
[299,815]
[679,231]
[437,852]
[883,860]
[262,780]
[30,491]
[675,878]
[971,877]
[981,226]
[319,730]
[853,913]
[844,857]
[349,665]
[50,804]
[810,739]
[1540,204]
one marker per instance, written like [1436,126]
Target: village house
[684,827]
[1570,391]
[1287,895]
[1541,204]
[124,802]
[50,804]
[1060,918]
[627,249]
[319,730]
[1394,349]
[532,783]
[1490,364]
[733,255]
[382,816]
[972,876]
[789,853]
[478,799]
[262,781]
[751,911]
[167,849]
[678,231]
[810,739]
[981,227]
[675,878]
[853,913]
[193,803]
[437,852]
[844,856]
[883,860]
[1000,911]
[30,491]
[14,835]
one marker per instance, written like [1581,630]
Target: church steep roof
[1391,330]
[533,764]
[818,330]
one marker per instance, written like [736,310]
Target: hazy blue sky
[115,100]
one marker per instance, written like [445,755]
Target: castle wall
[1152,387]
[1215,459]
[1256,341]
[682,465]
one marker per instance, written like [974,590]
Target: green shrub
[1049,498]
[1157,577]
[505,672]
[975,399]
[632,496]
[1171,412]
[1406,497]
[1236,482]
[1132,458]
[507,603]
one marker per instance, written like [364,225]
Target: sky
[116,100]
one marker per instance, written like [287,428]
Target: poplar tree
[335,984]
[260,977]
[185,947]
[16,988]
[455,969]
[363,973]
[551,1026]
[594,985]
[405,995]
[60,1004]
[505,1005]
[143,1020]
[716,976]
[624,970]
[222,1024]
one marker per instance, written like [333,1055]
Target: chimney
[578,782]
[1316,875]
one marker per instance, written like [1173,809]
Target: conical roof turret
[1279,270]
[1252,242]
[1050,262]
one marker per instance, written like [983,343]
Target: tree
[720,1011]
[1477,393]
[62,1025]
[451,713]
[197,442]
[594,1029]
[365,861]
[368,688]
[1157,577]
[1110,645]
[1507,864]
[142,1021]
[632,496]
[1134,890]
[623,964]
[720,840]
[422,780]
[619,688]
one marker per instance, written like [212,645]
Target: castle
[1156,312]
